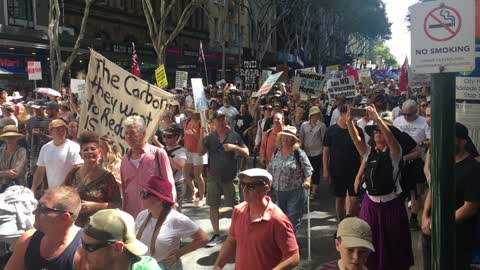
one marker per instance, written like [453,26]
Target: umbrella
[47,91]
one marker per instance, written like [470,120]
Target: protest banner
[308,83]
[265,75]
[161,76]
[181,78]
[365,77]
[113,94]
[341,87]
[310,69]
[249,73]
[268,84]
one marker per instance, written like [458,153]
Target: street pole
[443,162]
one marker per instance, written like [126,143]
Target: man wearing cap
[54,242]
[260,235]
[467,203]
[354,243]
[8,112]
[341,162]
[37,135]
[57,157]
[277,108]
[52,109]
[224,147]
[109,242]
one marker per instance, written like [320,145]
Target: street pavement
[323,226]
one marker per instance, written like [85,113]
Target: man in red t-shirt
[261,235]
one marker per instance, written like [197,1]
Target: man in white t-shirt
[57,157]
[410,122]
[177,156]
[229,111]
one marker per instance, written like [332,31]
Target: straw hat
[10,131]
[290,131]
[313,110]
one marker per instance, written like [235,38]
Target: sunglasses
[146,194]
[44,209]
[93,247]
[251,186]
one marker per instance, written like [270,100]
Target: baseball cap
[218,114]
[277,105]
[258,173]
[115,225]
[171,131]
[461,131]
[57,123]
[52,105]
[38,104]
[355,232]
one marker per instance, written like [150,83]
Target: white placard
[181,78]
[443,36]
[34,69]
[199,98]
[341,87]
[308,83]
[468,88]
[77,86]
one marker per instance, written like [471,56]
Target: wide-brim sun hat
[10,131]
[290,131]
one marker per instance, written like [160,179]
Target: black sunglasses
[146,194]
[93,247]
[44,209]
[251,186]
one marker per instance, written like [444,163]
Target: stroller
[16,216]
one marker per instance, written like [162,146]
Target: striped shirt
[37,141]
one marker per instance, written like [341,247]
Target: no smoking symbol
[442,23]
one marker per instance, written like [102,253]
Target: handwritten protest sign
[249,72]
[268,84]
[341,87]
[113,94]
[181,78]
[199,98]
[161,76]
[365,77]
[308,83]
[310,69]
[77,86]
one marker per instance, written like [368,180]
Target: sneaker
[199,203]
[216,239]
[414,224]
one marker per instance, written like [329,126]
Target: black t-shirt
[467,188]
[344,157]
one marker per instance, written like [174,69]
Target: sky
[400,40]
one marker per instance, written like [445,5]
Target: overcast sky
[400,42]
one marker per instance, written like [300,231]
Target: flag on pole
[201,56]
[403,84]
[301,57]
[135,67]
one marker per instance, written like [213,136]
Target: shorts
[340,186]
[230,190]
[195,159]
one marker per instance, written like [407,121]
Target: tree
[265,16]
[58,67]
[157,25]
[382,52]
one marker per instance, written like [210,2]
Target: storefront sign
[113,94]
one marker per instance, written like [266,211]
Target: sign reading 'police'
[443,36]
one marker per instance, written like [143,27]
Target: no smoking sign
[442,23]
[443,36]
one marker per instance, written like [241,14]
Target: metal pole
[443,162]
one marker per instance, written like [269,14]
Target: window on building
[20,13]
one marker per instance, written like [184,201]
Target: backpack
[379,173]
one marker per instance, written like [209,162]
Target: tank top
[34,261]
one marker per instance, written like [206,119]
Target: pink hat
[160,187]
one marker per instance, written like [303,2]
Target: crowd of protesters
[372,149]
